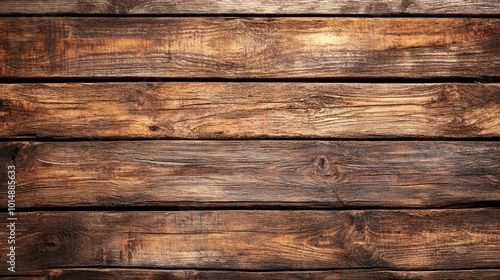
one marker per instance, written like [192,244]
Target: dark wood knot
[324,167]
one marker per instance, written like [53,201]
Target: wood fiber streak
[249,110]
[193,174]
[260,240]
[282,7]
[350,274]
[218,47]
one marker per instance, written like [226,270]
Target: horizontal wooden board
[338,7]
[196,174]
[354,274]
[249,110]
[259,240]
[218,47]
[178,274]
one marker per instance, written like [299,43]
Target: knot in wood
[356,239]
[5,106]
[323,166]
[123,6]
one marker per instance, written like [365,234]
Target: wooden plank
[354,274]
[254,173]
[323,7]
[259,240]
[218,47]
[249,110]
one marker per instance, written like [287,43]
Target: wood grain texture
[338,7]
[249,110]
[254,173]
[217,47]
[260,240]
[353,274]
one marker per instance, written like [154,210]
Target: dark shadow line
[206,207]
[271,270]
[253,139]
[253,15]
[361,80]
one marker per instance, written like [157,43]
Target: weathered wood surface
[260,240]
[338,7]
[248,110]
[354,274]
[217,47]
[254,173]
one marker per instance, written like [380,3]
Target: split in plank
[254,173]
[217,47]
[353,274]
[260,240]
[282,7]
[249,110]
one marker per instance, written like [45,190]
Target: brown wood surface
[353,274]
[259,240]
[338,7]
[219,47]
[254,173]
[248,110]
[204,139]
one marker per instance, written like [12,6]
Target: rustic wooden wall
[203,139]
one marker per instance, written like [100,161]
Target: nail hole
[154,128]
